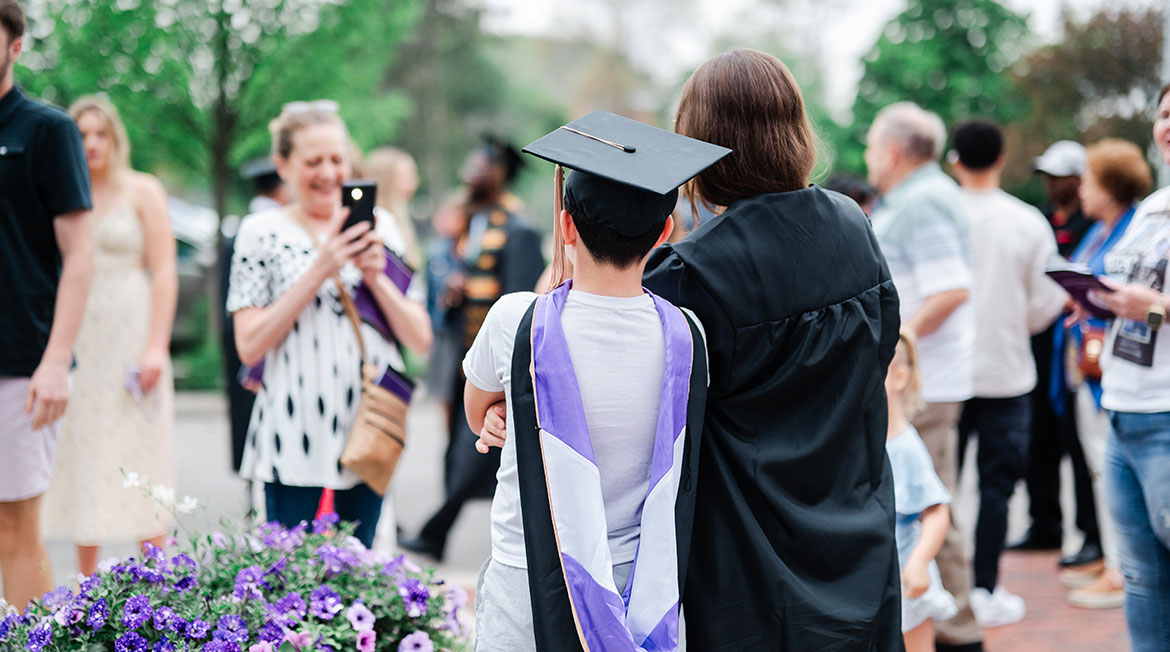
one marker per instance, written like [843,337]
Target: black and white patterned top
[312,378]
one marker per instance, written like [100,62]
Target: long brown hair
[105,110]
[748,101]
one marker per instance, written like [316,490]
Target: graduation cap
[626,174]
[502,152]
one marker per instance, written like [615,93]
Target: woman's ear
[667,229]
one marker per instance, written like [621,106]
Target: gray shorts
[503,608]
[26,460]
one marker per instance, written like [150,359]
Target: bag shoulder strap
[684,506]
[554,625]
[347,303]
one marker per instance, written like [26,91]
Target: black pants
[469,473]
[1001,425]
[1053,437]
[289,505]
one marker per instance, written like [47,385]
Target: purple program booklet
[1078,281]
[397,384]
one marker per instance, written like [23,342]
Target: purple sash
[644,617]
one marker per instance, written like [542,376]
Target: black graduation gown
[792,545]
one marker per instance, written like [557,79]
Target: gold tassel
[559,263]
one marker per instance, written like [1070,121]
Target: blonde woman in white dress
[122,413]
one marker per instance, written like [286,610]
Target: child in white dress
[920,500]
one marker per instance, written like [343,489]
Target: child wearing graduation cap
[604,385]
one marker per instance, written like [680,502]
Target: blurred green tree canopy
[197,82]
[948,56]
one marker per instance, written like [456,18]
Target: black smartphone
[358,195]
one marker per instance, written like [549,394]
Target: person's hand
[1078,315]
[150,367]
[495,428]
[453,292]
[1128,300]
[341,247]
[915,578]
[48,393]
[372,260]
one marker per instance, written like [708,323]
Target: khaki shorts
[26,455]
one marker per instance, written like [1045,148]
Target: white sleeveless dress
[105,430]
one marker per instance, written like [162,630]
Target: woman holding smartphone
[288,313]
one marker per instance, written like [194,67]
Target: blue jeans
[1137,470]
[289,505]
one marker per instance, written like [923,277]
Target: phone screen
[358,195]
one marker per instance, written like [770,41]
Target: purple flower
[183,560]
[277,568]
[39,636]
[292,603]
[299,640]
[155,554]
[360,617]
[248,584]
[271,632]
[56,598]
[98,613]
[219,540]
[198,628]
[163,645]
[179,626]
[222,646]
[365,641]
[6,626]
[136,612]
[162,618]
[416,642]
[185,584]
[324,525]
[90,583]
[232,628]
[262,646]
[130,642]
[414,593]
[324,603]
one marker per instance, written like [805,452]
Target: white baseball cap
[1064,158]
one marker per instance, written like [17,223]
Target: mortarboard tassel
[560,265]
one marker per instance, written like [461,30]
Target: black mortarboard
[502,152]
[626,173]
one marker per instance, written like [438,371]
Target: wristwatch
[1155,315]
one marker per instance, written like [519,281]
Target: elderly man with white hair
[925,236]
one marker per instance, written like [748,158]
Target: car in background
[195,229]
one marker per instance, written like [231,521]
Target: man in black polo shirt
[46,261]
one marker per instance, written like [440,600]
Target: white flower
[132,479]
[106,565]
[187,505]
[162,494]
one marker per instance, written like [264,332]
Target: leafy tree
[949,56]
[197,81]
[1100,80]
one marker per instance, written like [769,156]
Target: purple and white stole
[643,617]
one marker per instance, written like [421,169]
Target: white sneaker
[998,608]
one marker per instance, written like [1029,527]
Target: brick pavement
[1051,624]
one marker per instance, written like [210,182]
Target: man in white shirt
[1013,300]
[925,237]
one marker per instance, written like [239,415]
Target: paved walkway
[1051,624]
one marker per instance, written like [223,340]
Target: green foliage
[1100,80]
[200,368]
[198,82]
[949,56]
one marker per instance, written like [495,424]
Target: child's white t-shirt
[617,348]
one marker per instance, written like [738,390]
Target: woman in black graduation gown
[792,539]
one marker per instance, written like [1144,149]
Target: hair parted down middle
[288,123]
[748,101]
[101,106]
